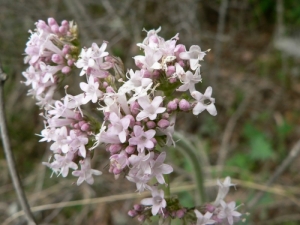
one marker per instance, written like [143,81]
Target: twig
[9,156]
[228,132]
[217,46]
[288,160]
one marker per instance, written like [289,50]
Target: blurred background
[253,67]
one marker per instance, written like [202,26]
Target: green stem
[167,187]
[188,149]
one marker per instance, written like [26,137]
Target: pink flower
[86,173]
[119,126]
[142,139]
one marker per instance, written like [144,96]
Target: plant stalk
[186,148]
[10,159]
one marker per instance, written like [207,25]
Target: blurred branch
[288,160]
[177,188]
[218,47]
[9,156]
[229,130]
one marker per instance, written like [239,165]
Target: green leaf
[260,148]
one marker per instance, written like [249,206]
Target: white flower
[204,220]
[91,90]
[223,190]
[189,80]
[150,109]
[204,101]
[228,211]
[157,201]
[193,55]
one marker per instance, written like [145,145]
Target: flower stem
[189,150]
[10,159]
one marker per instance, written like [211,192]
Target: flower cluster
[139,107]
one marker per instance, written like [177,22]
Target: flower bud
[132,120]
[163,123]
[138,207]
[55,28]
[172,80]
[184,105]
[180,213]
[114,148]
[134,108]
[170,71]
[66,70]
[52,21]
[151,124]
[85,127]
[57,59]
[70,62]
[130,149]
[62,29]
[172,105]
[132,213]
[210,208]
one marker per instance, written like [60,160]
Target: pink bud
[138,207]
[132,213]
[146,74]
[116,171]
[138,123]
[115,148]
[154,141]
[165,116]
[141,218]
[62,29]
[57,59]
[172,80]
[76,126]
[55,28]
[134,108]
[52,21]
[66,49]
[81,122]
[109,89]
[78,116]
[132,120]
[42,25]
[163,123]
[178,49]
[85,127]
[172,105]
[104,84]
[151,124]
[65,23]
[180,213]
[70,62]
[155,74]
[181,63]
[130,149]
[184,105]
[210,208]
[153,39]
[66,70]
[170,71]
